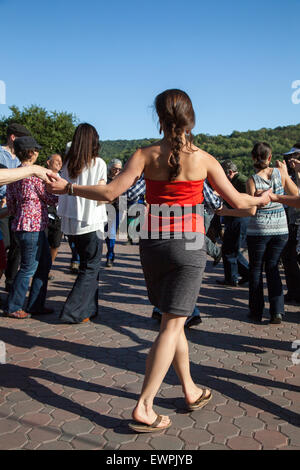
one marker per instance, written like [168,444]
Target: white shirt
[80,215]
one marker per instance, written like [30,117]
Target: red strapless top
[184,196]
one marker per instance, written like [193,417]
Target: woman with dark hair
[83,221]
[174,171]
[267,233]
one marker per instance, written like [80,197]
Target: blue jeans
[111,237]
[265,250]
[36,263]
[234,262]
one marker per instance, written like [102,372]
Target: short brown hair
[25,155]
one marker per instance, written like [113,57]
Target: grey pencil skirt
[173,274]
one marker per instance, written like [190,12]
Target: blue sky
[106,61]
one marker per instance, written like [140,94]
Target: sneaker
[193,321]
[276,319]
[109,263]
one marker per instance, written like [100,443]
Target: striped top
[270,219]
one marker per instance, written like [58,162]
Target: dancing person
[27,201]
[174,171]
[234,262]
[289,254]
[54,233]
[212,203]
[9,159]
[114,168]
[267,233]
[83,223]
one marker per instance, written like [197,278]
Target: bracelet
[70,189]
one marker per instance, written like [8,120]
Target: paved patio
[74,386]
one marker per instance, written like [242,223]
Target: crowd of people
[77,196]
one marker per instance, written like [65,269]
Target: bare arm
[292,201]
[250,187]
[288,184]
[295,164]
[11,175]
[219,181]
[109,192]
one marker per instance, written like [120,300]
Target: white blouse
[80,215]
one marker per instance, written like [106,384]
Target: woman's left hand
[57,185]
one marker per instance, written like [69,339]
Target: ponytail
[260,154]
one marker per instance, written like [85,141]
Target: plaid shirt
[136,191]
[212,202]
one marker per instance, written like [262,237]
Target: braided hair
[176,115]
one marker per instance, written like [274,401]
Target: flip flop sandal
[201,401]
[154,427]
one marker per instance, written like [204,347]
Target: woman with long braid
[174,171]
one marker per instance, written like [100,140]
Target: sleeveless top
[175,206]
[270,219]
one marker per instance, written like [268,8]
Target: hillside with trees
[54,129]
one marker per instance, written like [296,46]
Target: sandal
[201,401]
[154,427]
[19,314]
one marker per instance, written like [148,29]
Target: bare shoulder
[206,158]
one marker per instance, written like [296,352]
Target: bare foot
[192,395]
[148,416]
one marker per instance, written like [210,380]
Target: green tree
[51,129]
